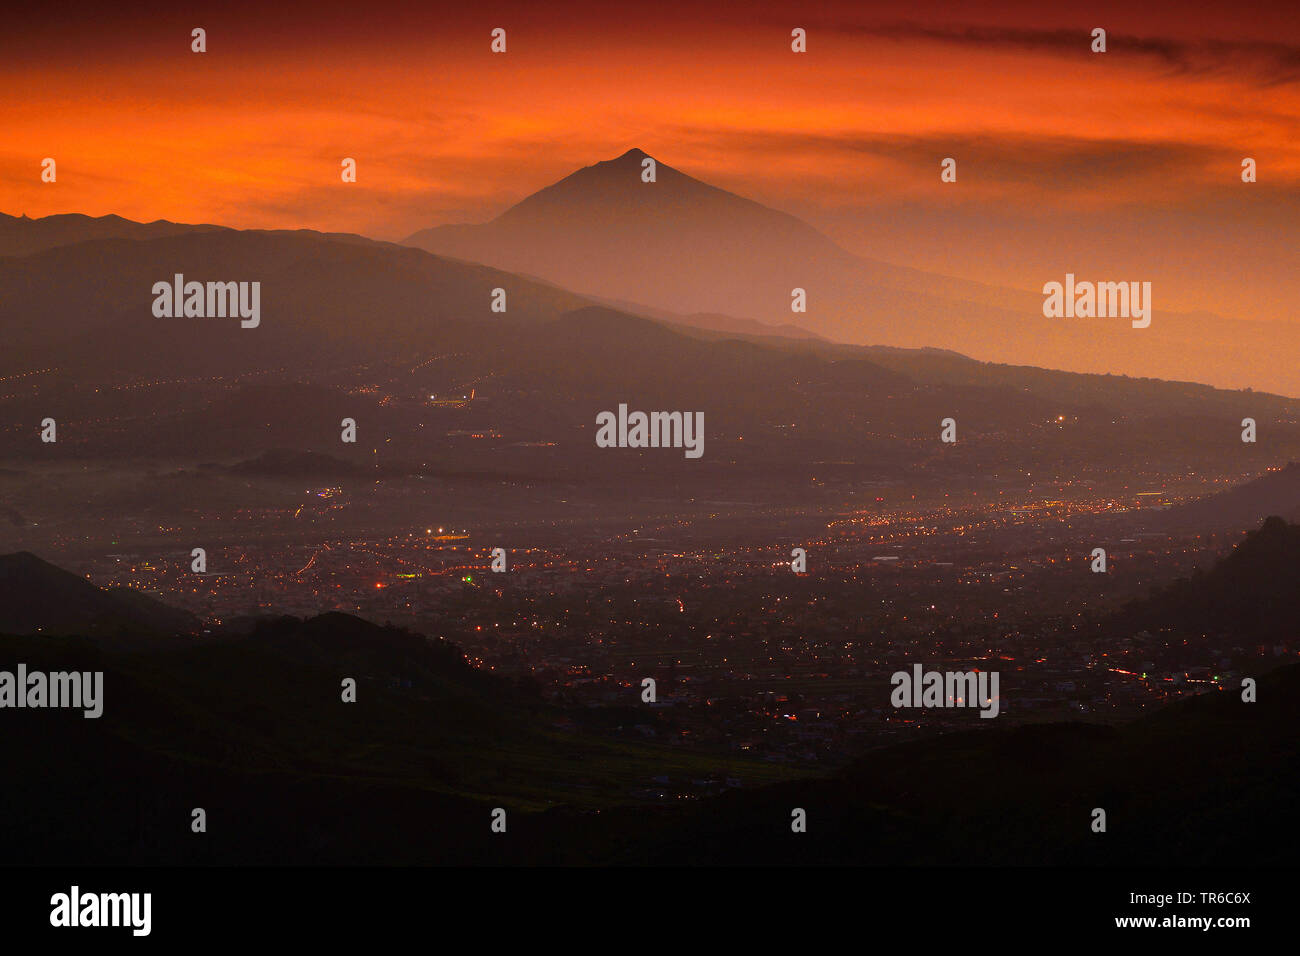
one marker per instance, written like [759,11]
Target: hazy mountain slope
[1276,492]
[771,403]
[370,331]
[683,245]
[91,303]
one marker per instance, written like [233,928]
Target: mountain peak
[627,165]
[585,230]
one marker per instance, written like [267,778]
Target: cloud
[1261,62]
[1058,161]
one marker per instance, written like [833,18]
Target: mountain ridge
[686,246]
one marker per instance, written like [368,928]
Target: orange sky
[1126,162]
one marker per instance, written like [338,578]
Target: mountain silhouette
[683,245]
[1277,492]
[1250,595]
[37,597]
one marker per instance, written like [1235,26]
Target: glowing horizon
[1067,159]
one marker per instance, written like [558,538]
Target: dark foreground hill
[1252,595]
[253,730]
[38,598]
[1276,492]
[288,774]
[1210,780]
